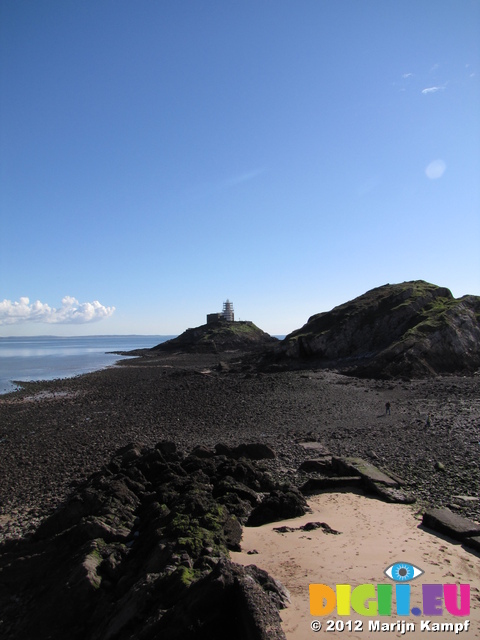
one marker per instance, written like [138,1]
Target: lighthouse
[226,315]
[227,312]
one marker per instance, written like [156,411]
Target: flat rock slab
[451,524]
[359,467]
[314,485]
[465,501]
[473,542]
[391,494]
[317,447]
[319,465]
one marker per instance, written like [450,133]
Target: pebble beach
[55,434]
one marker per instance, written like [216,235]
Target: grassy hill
[219,336]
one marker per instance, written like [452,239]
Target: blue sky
[159,157]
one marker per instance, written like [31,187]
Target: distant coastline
[33,358]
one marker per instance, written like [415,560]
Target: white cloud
[435,169]
[407,75]
[432,90]
[71,312]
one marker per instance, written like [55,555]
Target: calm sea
[47,358]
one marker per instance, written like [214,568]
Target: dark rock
[246,472]
[233,533]
[228,593]
[253,451]
[223,449]
[311,526]
[123,556]
[465,501]
[315,447]
[166,448]
[279,505]
[314,485]
[241,509]
[473,542]
[319,465]
[357,466]
[228,485]
[391,494]
[275,589]
[414,329]
[202,452]
[451,524]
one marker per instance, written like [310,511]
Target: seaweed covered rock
[140,550]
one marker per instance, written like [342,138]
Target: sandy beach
[374,535]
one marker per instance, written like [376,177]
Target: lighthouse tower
[227,312]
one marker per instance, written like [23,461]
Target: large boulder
[280,504]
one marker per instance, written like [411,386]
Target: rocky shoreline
[140,550]
[130,485]
[55,434]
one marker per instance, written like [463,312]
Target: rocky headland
[414,329]
[218,337]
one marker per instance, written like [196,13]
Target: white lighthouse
[227,312]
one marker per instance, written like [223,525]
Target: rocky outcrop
[140,550]
[333,473]
[412,329]
[216,337]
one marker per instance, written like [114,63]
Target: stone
[228,593]
[316,447]
[254,451]
[166,447]
[223,449]
[465,501]
[332,483]
[391,494]
[233,533]
[279,505]
[451,524]
[202,452]
[357,466]
[230,485]
[473,542]
[319,465]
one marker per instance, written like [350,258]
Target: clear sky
[159,157]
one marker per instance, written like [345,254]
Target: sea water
[46,358]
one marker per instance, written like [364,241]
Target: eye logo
[403,572]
